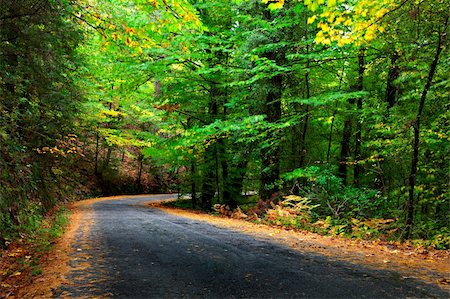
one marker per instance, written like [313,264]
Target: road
[124,249]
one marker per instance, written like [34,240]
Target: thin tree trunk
[308,95]
[139,177]
[303,139]
[271,157]
[107,158]
[330,136]
[416,127]
[345,150]
[216,160]
[193,185]
[157,88]
[97,137]
[361,66]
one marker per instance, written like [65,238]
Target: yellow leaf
[312,19]
[16,274]
[5,285]
[277,5]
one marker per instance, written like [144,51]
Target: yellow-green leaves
[345,21]
[274,4]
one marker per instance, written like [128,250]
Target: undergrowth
[298,212]
[33,238]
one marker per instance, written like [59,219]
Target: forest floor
[81,263]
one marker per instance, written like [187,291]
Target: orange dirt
[431,266]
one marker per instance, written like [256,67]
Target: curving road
[132,251]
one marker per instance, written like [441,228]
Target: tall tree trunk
[416,128]
[156,88]
[271,157]
[193,184]
[139,176]
[209,180]
[345,149]
[307,96]
[107,158]
[303,138]
[330,136]
[360,86]
[97,138]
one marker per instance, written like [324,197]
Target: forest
[331,116]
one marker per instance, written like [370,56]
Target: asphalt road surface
[132,251]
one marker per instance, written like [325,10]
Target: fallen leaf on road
[443,281]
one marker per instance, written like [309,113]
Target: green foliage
[39,105]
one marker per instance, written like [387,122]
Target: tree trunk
[271,157]
[357,170]
[97,138]
[393,74]
[107,158]
[208,182]
[139,188]
[193,185]
[416,128]
[345,150]
[330,136]
[308,95]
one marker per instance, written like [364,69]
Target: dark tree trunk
[303,138]
[157,88]
[139,188]
[306,119]
[97,138]
[107,158]
[358,135]
[208,182]
[393,74]
[330,137]
[416,128]
[345,149]
[271,157]
[307,96]
[193,185]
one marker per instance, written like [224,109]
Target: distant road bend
[133,251]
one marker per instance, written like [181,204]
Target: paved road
[131,251]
